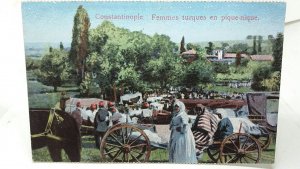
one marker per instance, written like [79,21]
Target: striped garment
[204,129]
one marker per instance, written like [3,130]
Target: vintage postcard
[158,82]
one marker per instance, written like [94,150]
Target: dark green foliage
[259,75]
[54,69]
[277,52]
[61,46]
[273,83]
[221,67]
[270,37]
[239,47]
[249,37]
[118,56]
[260,39]
[254,52]
[244,62]
[196,73]
[210,48]
[50,49]
[225,45]
[182,44]
[32,64]
[79,45]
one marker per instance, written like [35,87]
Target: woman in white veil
[182,143]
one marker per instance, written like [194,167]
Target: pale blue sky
[53,21]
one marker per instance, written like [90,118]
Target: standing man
[77,115]
[101,123]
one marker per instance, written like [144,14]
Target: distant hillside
[266,44]
[37,49]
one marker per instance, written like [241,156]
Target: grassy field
[89,154]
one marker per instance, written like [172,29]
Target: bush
[259,75]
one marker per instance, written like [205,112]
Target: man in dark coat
[101,123]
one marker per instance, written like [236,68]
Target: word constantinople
[120,17]
[156,17]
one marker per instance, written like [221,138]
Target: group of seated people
[86,115]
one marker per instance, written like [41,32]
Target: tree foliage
[220,67]
[277,52]
[196,73]
[54,68]
[254,51]
[209,48]
[273,83]
[118,56]
[182,44]
[259,75]
[260,39]
[79,45]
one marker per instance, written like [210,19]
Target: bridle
[48,132]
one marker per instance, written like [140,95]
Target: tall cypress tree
[79,45]
[260,38]
[277,52]
[254,52]
[61,46]
[182,49]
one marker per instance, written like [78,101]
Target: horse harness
[48,132]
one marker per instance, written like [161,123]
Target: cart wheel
[213,153]
[125,143]
[264,141]
[240,148]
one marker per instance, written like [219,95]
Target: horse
[57,130]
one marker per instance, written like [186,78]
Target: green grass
[89,154]
[231,90]
[42,96]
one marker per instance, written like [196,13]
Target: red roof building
[189,55]
[261,58]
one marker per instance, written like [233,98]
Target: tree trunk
[55,88]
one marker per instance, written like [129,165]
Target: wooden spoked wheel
[125,143]
[264,141]
[213,153]
[240,148]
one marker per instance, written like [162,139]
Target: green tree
[249,37]
[61,46]
[50,49]
[270,37]
[273,83]
[86,85]
[196,73]
[220,67]
[129,78]
[79,45]
[239,47]
[54,69]
[254,52]
[260,39]
[182,44]
[209,48]
[163,71]
[259,75]
[277,52]
[225,45]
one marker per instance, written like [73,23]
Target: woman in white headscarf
[182,143]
